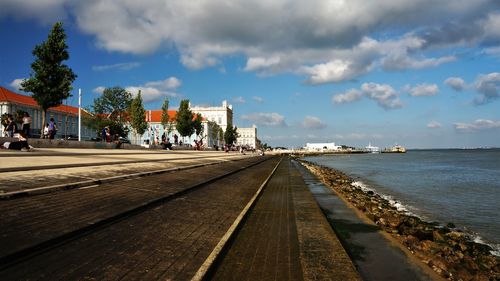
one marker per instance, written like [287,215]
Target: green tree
[166,121]
[110,110]
[231,134]
[214,130]
[50,80]
[184,119]
[138,115]
[198,126]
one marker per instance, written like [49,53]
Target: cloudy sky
[421,73]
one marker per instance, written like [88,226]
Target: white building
[66,117]
[247,137]
[327,146]
[222,115]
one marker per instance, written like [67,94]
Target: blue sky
[418,73]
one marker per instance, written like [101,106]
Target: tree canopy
[138,115]
[50,80]
[110,110]
[198,126]
[184,119]
[231,134]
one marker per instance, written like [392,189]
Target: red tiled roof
[9,96]
[156,115]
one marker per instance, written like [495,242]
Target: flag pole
[79,114]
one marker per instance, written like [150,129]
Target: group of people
[10,126]
[10,130]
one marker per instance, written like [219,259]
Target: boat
[395,149]
[372,149]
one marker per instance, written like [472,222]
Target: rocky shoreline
[448,251]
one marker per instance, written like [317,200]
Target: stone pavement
[286,237]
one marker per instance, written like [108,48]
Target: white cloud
[403,61]
[332,71]
[488,87]
[423,90]
[271,119]
[477,125]
[118,66]
[258,63]
[16,84]
[349,96]
[170,83]
[239,100]
[288,37]
[434,125]
[312,122]
[258,99]
[99,90]
[456,83]
[385,96]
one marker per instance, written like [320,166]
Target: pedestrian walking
[11,128]
[52,128]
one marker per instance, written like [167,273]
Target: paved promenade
[166,226]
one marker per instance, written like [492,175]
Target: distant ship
[395,149]
[372,149]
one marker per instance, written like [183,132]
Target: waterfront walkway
[226,220]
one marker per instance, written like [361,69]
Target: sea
[459,186]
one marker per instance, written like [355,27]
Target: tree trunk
[44,112]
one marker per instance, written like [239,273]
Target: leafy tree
[231,134]
[138,115]
[110,110]
[184,119]
[165,119]
[221,134]
[214,130]
[50,81]
[113,102]
[198,126]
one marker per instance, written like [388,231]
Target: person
[46,131]
[108,135]
[52,128]
[163,138]
[20,144]
[11,127]
[103,134]
[167,144]
[26,124]
[176,139]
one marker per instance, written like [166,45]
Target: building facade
[66,117]
[221,115]
[325,146]
[155,131]
[247,137]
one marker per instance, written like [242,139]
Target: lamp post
[80,114]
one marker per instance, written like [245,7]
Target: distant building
[155,130]
[222,115]
[327,146]
[247,137]
[66,117]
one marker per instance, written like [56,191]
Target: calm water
[459,186]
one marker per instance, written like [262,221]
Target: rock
[436,236]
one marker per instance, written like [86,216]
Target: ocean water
[458,186]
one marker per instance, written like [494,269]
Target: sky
[419,73]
